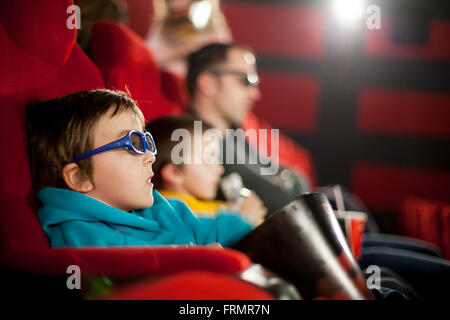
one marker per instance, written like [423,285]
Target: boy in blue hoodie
[91,164]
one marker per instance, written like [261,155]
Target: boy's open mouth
[149,181]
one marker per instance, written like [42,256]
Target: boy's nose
[149,158]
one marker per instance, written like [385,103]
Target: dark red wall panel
[411,113]
[378,43]
[289,101]
[383,187]
[277,29]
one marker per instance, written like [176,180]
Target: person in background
[183,26]
[222,81]
[196,183]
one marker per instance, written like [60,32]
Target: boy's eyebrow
[123,133]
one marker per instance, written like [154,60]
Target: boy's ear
[171,175]
[73,178]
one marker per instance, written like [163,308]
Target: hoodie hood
[61,205]
[70,218]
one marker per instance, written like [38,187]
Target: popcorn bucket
[303,243]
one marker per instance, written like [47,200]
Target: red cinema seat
[174,88]
[429,216]
[179,287]
[419,218]
[409,218]
[128,64]
[427,220]
[42,62]
[445,225]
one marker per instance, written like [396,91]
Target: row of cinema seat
[40,60]
[428,220]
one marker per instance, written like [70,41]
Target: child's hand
[253,206]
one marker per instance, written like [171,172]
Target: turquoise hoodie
[71,219]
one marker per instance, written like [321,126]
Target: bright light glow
[348,12]
[249,58]
[200,13]
[253,79]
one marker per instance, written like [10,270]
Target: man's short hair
[161,130]
[61,129]
[206,58]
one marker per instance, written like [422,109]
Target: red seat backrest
[128,64]
[174,88]
[40,28]
[445,222]
[179,287]
[42,61]
[427,220]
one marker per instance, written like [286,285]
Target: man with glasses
[223,84]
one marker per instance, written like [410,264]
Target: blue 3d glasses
[134,141]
